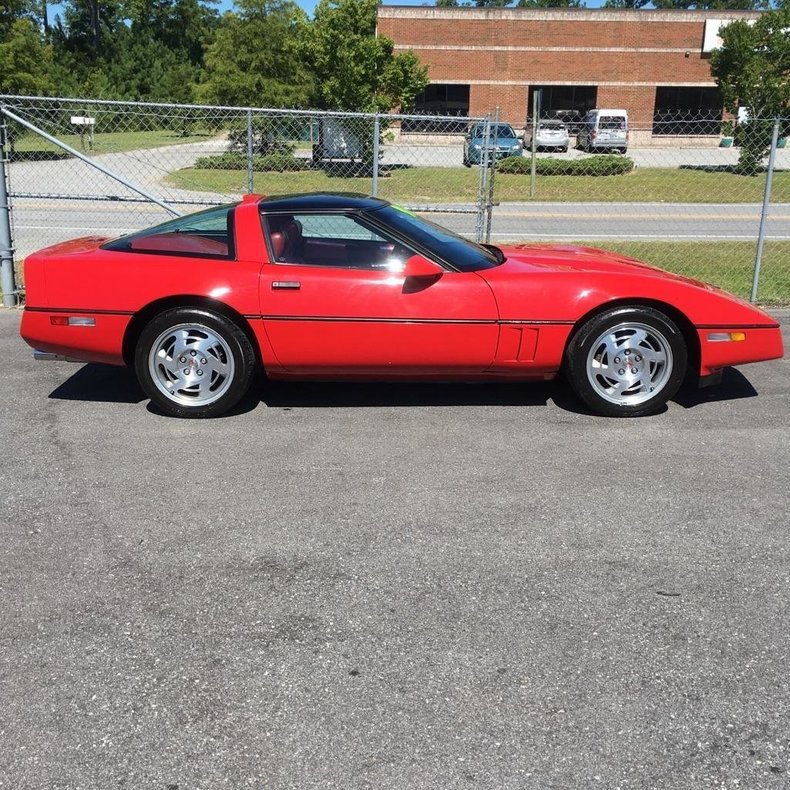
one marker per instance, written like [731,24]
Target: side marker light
[721,337]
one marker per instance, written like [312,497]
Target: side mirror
[417,266]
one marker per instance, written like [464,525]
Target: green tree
[354,69]
[255,58]
[550,4]
[185,27]
[713,5]
[11,11]
[25,60]
[752,68]
[625,3]
[86,33]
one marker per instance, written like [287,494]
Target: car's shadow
[315,394]
[100,384]
[734,386]
[105,383]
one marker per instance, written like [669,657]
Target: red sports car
[343,286]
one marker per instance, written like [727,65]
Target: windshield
[503,131]
[439,242]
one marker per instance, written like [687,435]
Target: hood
[531,258]
[559,283]
[502,142]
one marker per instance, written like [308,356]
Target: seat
[278,245]
[294,245]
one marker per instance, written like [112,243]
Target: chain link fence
[686,193]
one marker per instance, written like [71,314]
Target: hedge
[233,160]
[604,165]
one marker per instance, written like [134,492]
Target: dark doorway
[687,111]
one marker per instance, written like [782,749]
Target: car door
[334,303]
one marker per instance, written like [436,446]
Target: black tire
[216,354]
[614,383]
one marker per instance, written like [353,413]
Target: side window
[336,240]
[207,234]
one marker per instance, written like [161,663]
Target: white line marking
[584,236]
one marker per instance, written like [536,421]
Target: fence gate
[79,167]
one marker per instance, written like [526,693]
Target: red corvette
[342,286]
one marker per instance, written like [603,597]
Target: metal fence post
[482,184]
[250,173]
[758,258]
[534,142]
[491,178]
[7,278]
[376,134]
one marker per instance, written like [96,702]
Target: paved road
[391,587]
[650,156]
[42,222]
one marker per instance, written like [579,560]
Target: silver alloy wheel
[191,364]
[629,364]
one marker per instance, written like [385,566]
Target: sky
[309,5]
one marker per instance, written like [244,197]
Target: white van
[604,130]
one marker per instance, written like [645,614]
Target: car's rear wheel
[193,362]
[627,362]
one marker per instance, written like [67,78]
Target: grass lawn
[454,185]
[728,264]
[29,145]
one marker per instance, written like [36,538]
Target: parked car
[573,119]
[604,130]
[501,137]
[551,134]
[351,287]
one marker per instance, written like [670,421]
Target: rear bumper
[102,341]
[48,356]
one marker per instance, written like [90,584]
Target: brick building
[655,64]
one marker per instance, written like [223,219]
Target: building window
[569,103]
[440,99]
[687,111]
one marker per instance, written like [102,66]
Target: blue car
[505,144]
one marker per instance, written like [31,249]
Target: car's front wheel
[193,362]
[627,362]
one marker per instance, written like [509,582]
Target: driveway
[426,586]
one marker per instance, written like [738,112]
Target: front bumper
[759,343]
[475,157]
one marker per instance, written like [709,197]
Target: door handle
[286,285]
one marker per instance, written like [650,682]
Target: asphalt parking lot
[369,586]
